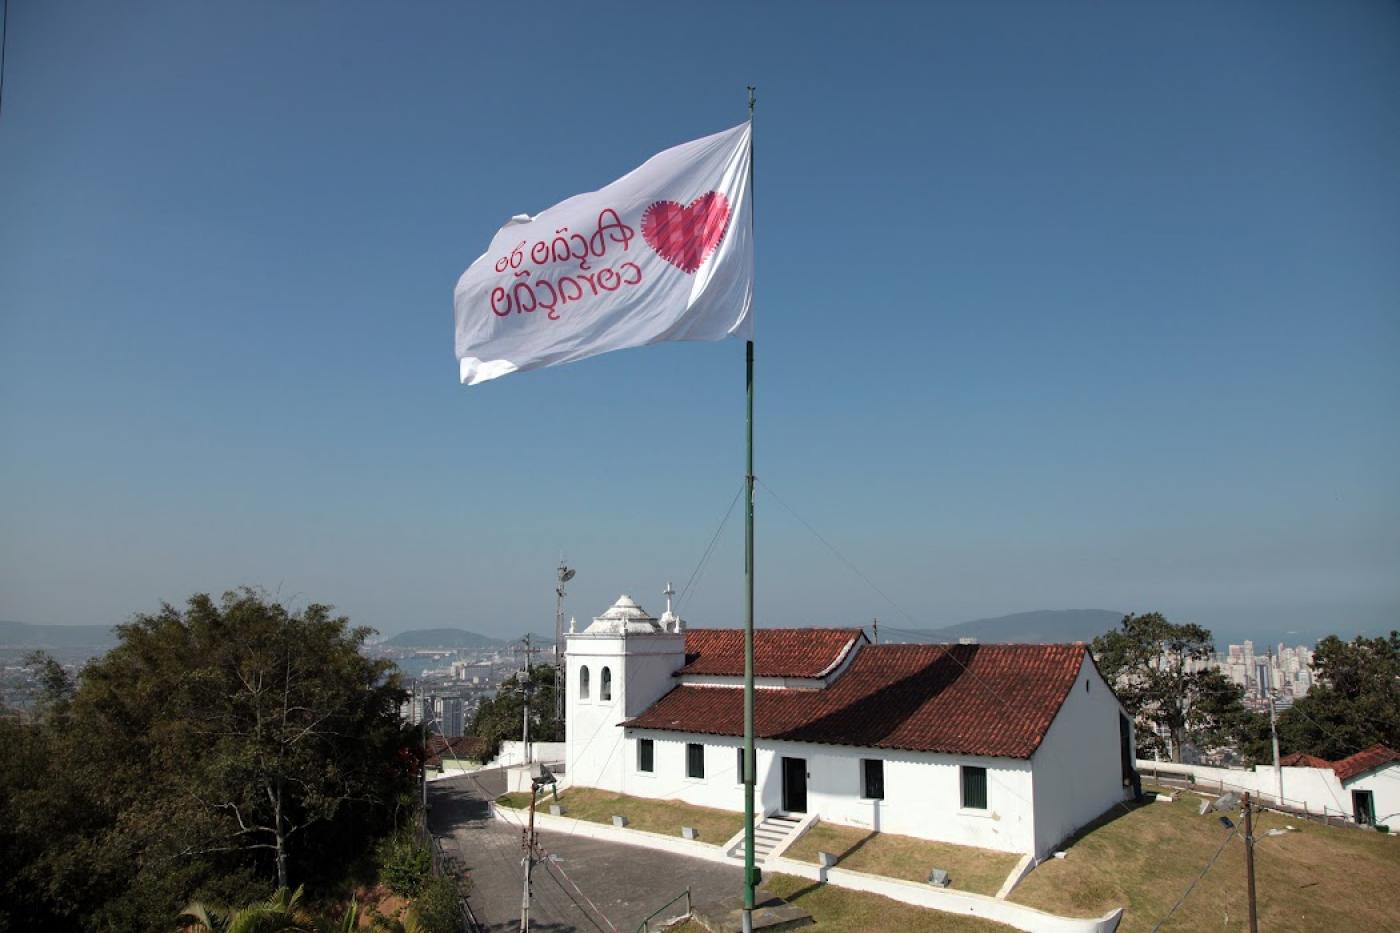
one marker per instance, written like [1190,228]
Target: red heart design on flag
[686,235]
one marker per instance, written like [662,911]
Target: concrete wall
[1316,789]
[1078,771]
[950,900]
[923,791]
[512,753]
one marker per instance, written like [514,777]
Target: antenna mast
[564,575]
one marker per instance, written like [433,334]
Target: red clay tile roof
[994,700]
[460,746]
[1363,761]
[1300,760]
[777,652]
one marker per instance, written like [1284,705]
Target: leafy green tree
[218,749]
[503,718]
[1354,702]
[55,686]
[1158,670]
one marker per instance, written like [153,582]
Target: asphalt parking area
[596,886]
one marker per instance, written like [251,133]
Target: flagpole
[750,872]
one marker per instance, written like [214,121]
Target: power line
[704,558]
[949,654]
[839,556]
[1190,887]
[553,863]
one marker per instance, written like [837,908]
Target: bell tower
[616,667]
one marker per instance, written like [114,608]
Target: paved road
[624,883]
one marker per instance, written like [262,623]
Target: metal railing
[645,926]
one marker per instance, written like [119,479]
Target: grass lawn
[838,909]
[1319,878]
[657,816]
[980,871]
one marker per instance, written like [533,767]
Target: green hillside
[1144,857]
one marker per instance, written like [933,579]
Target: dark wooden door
[1363,807]
[795,785]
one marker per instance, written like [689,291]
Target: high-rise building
[449,715]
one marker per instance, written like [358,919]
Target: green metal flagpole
[750,871]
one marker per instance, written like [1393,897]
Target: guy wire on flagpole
[751,878]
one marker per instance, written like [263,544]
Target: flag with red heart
[684,235]
[663,253]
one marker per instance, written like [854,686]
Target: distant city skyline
[1071,305]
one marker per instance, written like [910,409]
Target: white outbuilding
[1007,747]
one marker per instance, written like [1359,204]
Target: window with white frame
[605,686]
[583,683]
[646,760]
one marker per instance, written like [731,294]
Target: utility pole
[1249,862]
[531,843]
[1273,731]
[875,627]
[527,688]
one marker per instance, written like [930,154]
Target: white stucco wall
[1318,790]
[923,791]
[1314,789]
[1384,785]
[512,753]
[1075,776]
[592,735]
[1077,770]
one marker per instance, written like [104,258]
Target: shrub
[436,907]
[405,866]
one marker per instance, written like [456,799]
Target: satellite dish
[567,575]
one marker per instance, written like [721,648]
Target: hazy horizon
[1078,304]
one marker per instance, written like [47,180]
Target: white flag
[663,253]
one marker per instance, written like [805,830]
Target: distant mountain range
[456,638]
[1043,626]
[23,635]
[442,638]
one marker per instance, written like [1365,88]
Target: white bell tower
[616,667]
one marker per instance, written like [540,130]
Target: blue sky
[1059,305]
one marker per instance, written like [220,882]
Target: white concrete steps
[768,835]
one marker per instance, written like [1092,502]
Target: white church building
[1007,747]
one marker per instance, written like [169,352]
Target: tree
[279,713]
[503,717]
[282,912]
[1161,675]
[219,749]
[55,686]
[1354,701]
